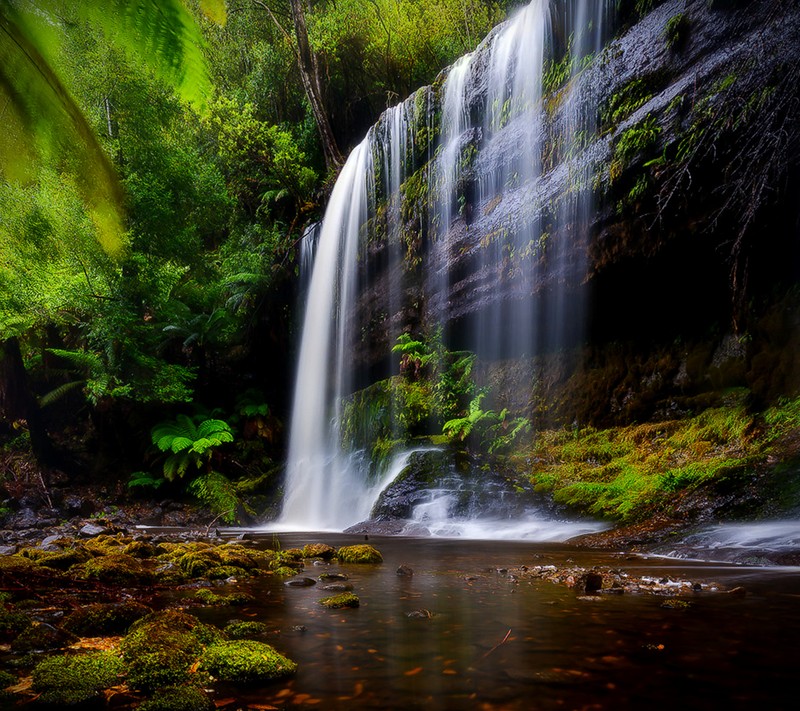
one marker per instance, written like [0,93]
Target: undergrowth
[627,473]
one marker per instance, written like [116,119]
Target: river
[484,635]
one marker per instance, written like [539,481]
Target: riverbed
[472,628]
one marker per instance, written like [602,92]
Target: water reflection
[492,642]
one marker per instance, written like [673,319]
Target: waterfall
[322,482]
[496,140]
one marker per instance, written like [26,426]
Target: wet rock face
[690,233]
[437,478]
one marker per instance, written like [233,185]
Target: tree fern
[188,444]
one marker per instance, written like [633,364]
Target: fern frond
[59,392]
[180,444]
[210,428]
[41,121]
[84,360]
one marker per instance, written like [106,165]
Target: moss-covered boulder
[12,623]
[245,629]
[319,550]
[10,564]
[161,648]
[71,679]
[245,661]
[118,569]
[178,698]
[101,619]
[337,602]
[207,597]
[361,553]
[41,636]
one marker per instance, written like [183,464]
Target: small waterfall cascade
[412,227]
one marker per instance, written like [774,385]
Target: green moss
[318,550]
[284,571]
[7,679]
[12,563]
[12,623]
[637,139]
[117,569]
[676,31]
[245,661]
[102,619]
[178,698]
[71,679]
[42,636]
[245,630]
[140,549]
[336,602]
[629,472]
[208,597]
[627,99]
[361,553]
[161,648]
[223,572]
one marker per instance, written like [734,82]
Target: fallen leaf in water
[283,693]
[413,672]
[301,698]
[261,707]
[220,703]
[449,671]
[358,689]
[22,686]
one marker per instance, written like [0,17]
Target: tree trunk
[17,403]
[309,74]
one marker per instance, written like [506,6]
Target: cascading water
[497,141]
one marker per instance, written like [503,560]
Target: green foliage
[676,31]
[626,100]
[189,444]
[73,678]
[637,139]
[461,427]
[245,662]
[217,492]
[104,619]
[144,480]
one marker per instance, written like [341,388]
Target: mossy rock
[197,564]
[7,679]
[245,661]
[65,559]
[117,569]
[361,553]
[319,550]
[72,679]
[12,623]
[161,648]
[14,563]
[237,555]
[42,636]
[140,549]
[223,572]
[178,698]
[238,629]
[105,544]
[102,619]
[284,571]
[337,602]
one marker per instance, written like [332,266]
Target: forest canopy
[158,162]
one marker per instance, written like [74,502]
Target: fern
[217,492]
[189,444]
[144,480]
[59,392]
